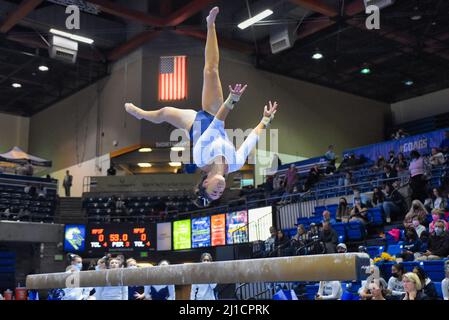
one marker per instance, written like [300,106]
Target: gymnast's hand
[237,92]
[270,110]
[134,111]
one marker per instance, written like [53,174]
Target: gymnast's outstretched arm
[233,98]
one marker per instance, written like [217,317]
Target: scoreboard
[109,238]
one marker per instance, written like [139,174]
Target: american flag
[172,78]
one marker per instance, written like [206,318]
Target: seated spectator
[359,196]
[41,192]
[418,180]
[394,205]
[438,247]
[395,285]
[329,290]
[438,215]
[343,211]
[389,174]
[352,161]
[269,243]
[365,290]
[413,287]
[380,163]
[330,237]
[402,161]
[419,228]
[316,246]
[291,178]
[437,158]
[392,160]
[348,179]
[403,174]
[299,241]
[445,282]
[331,157]
[28,169]
[428,286]
[278,182]
[268,186]
[378,197]
[281,244]
[444,146]
[416,210]
[359,212]
[327,217]
[377,291]
[27,189]
[314,232]
[312,178]
[437,200]
[342,248]
[411,246]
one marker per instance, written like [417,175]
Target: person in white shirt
[213,151]
[203,291]
[158,292]
[329,290]
[437,158]
[112,293]
[395,285]
[419,228]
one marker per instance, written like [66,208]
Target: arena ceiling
[407,57]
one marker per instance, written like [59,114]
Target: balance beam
[341,267]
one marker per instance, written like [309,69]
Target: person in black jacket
[438,247]
[281,244]
[427,284]
[330,237]
[394,204]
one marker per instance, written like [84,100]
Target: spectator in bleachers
[395,285]
[359,212]
[291,178]
[203,291]
[41,192]
[28,169]
[416,210]
[299,241]
[389,173]
[438,215]
[445,282]
[444,146]
[436,201]
[413,287]
[329,290]
[277,182]
[331,157]
[438,247]
[312,178]
[342,248]
[428,286]
[411,246]
[436,158]
[282,244]
[330,237]
[394,205]
[392,160]
[417,174]
[378,292]
[27,189]
[380,163]
[402,173]
[327,217]
[418,227]
[348,179]
[67,183]
[269,243]
[316,246]
[402,161]
[365,290]
[378,197]
[343,211]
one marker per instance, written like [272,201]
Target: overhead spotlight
[416,15]
[365,70]
[16,85]
[43,68]
[408,82]
[177,149]
[245,24]
[145,150]
[317,56]
[145,165]
[175,164]
[71,36]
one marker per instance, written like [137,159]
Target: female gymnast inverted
[213,152]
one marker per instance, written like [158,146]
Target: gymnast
[213,152]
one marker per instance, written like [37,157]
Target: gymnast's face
[114,264]
[215,186]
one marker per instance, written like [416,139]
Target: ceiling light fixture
[245,24]
[71,36]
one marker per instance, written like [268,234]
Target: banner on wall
[237,227]
[201,232]
[182,235]
[423,143]
[164,236]
[218,229]
[259,221]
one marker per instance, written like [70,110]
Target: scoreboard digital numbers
[107,238]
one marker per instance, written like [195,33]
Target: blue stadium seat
[355,231]
[409,265]
[434,269]
[438,289]
[375,251]
[340,229]
[311,291]
[394,249]
[375,216]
